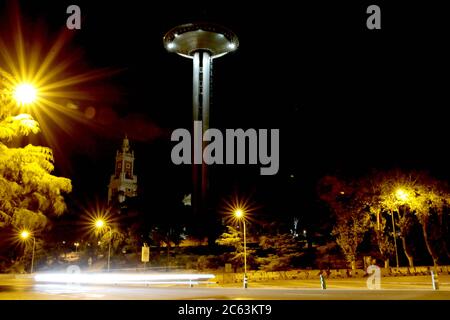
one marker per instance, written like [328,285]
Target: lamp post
[403,197]
[395,238]
[100,224]
[24,235]
[239,214]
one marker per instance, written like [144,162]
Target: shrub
[209,262]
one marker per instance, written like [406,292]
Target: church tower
[123,183]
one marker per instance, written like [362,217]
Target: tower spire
[125,144]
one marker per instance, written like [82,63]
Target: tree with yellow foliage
[29,193]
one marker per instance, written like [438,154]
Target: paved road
[405,288]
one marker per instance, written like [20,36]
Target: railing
[332,274]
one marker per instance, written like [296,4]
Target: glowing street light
[25,235]
[100,224]
[401,195]
[25,93]
[239,215]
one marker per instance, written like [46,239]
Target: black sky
[345,98]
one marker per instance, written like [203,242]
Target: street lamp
[402,196]
[76,244]
[25,93]
[24,235]
[395,238]
[239,214]
[100,224]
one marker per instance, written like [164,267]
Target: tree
[383,240]
[417,196]
[282,252]
[385,220]
[408,199]
[234,238]
[167,234]
[29,193]
[116,237]
[348,201]
[349,232]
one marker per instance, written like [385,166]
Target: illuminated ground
[398,288]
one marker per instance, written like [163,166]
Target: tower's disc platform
[193,37]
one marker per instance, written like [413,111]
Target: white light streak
[120,278]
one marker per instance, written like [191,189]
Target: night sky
[346,99]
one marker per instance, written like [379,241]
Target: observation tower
[201,42]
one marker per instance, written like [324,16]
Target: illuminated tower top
[190,38]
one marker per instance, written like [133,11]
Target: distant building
[123,183]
